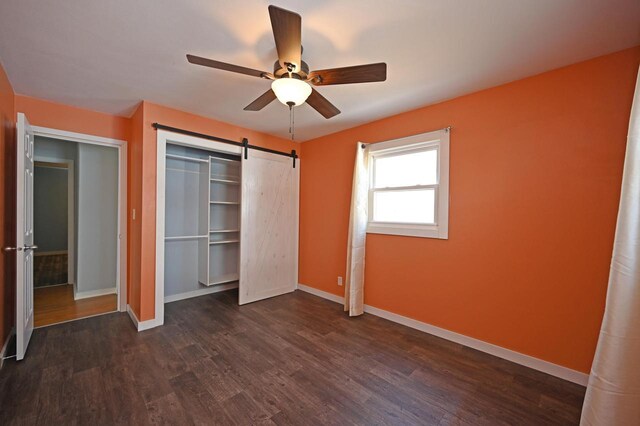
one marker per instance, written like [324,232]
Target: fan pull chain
[292,122]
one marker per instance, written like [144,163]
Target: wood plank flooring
[56,304]
[295,359]
[50,270]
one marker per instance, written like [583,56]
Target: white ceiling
[107,55]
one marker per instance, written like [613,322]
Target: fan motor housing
[278,71]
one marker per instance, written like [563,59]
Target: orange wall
[63,117]
[134,202]
[535,177]
[152,113]
[7,233]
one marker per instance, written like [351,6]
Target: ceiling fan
[291,79]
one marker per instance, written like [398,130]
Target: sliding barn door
[269,226]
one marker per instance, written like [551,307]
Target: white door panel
[24,236]
[269,226]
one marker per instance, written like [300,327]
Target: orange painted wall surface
[134,202]
[152,113]
[7,157]
[64,117]
[536,167]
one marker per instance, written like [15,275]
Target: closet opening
[76,227]
[202,222]
[226,218]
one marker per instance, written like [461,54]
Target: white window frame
[437,140]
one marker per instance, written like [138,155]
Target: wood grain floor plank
[290,360]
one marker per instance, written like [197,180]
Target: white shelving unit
[202,223]
[224,220]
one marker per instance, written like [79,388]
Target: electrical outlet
[340,281]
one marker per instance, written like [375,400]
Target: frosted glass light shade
[291,90]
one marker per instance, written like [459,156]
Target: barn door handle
[27,248]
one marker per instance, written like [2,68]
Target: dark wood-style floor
[294,359]
[50,270]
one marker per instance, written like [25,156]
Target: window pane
[418,168]
[415,206]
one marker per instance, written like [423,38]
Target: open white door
[269,226]
[24,236]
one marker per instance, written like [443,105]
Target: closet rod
[244,144]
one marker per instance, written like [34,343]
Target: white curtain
[354,283]
[613,392]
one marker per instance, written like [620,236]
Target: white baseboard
[200,292]
[320,293]
[50,253]
[480,345]
[94,293]
[143,325]
[5,346]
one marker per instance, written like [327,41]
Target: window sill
[408,230]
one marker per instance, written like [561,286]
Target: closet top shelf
[182,157]
[225,202]
[226,160]
[223,230]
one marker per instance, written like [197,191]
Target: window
[409,186]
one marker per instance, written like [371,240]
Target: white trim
[121,146]
[320,293]
[94,293]
[162,138]
[50,253]
[200,292]
[437,140]
[71,211]
[75,137]
[5,346]
[482,346]
[142,325]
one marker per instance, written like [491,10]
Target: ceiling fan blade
[265,99]
[227,67]
[347,75]
[322,105]
[287,32]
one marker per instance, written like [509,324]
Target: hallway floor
[54,304]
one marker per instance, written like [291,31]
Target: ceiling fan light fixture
[291,90]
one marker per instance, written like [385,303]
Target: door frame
[71,246]
[121,146]
[163,137]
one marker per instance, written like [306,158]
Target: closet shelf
[224,279]
[224,178]
[227,181]
[213,231]
[224,160]
[182,157]
[233,203]
[184,237]
[223,242]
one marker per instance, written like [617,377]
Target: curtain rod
[446,129]
[244,144]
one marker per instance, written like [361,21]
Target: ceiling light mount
[302,71]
